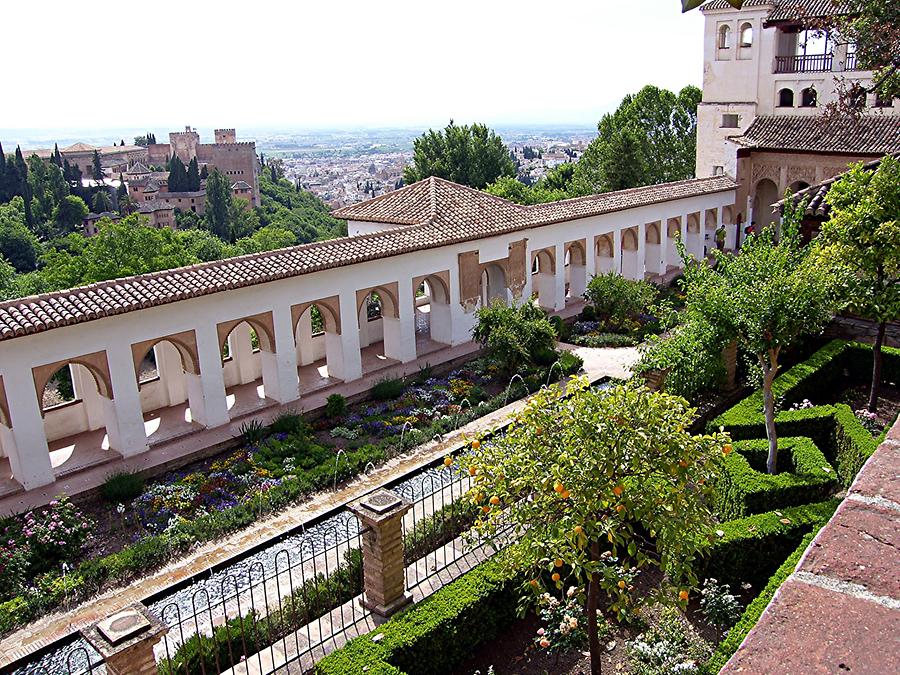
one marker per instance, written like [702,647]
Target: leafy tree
[266,238]
[766,298]
[863,235]
[20,183]
[618,298]
[514,336]
[218,203]
[97,167]
[516,191]
[596,487]
[18,245]
[192,178]
[650,138]
[470,155]
[301,212]
[242,219]
[101,202]
[69,213]
[4,188]
[187,220]
[48,187]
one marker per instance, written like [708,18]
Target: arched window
[724,36]
[808,98]
[786,98]
[746,35]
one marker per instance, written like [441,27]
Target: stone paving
[839,612]
[599,363]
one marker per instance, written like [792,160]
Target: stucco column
[684,234]
[304,337]
[350,365]
[241,352]
[84,387]
[279,369]
[590,258]
[125,407]
[559,280]
[640,272]
[171,373]
[461,321]
[381,515]
[617,251]
[209,386]
[400,333]
[25,442]
[663,245]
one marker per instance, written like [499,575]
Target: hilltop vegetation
[43,203]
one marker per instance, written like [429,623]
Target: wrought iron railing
[804,63]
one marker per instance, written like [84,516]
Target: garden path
[598,364]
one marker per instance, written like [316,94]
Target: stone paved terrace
[839,612]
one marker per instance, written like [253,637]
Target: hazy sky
[336,63]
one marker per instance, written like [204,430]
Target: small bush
[570,363]
[252,432]
[588,313]
[618,298]
[288,423]
[514,336]
[600,340]
[335,406]
[122,487]
[387,389]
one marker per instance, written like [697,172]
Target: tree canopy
[471,155]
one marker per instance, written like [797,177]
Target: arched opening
[798,185]
[765,194]
[786,98]
[724,36]
[673,234]
[808,98]
[632,268]
[80,422]
[168,375]
[493,286]
[247,366]
[432,302]
[543,280]
[380,336]
[576,271]
[746,35]
[318,344]
[603,256]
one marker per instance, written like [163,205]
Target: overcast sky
[336,63]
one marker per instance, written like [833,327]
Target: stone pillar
[400,333]
[641,266]
[590,259]
[381,515]
[25,442]
[209,386]
[461,321]
[126,640]
[241,349]
[617,252]
[124,411]
[559,289]
[350,367]
[684,235]
[279,369]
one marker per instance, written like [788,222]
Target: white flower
[572,590]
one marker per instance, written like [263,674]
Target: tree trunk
[593,602]
[769,372]
[876,367]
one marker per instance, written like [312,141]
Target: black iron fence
[804,63]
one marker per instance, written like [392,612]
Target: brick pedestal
[126,641]
[381,514]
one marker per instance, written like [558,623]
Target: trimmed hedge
[745,487]
[439,633]
[754,610]
[833,428]
[750,549]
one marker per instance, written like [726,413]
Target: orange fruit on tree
[683,463]
[495,500]
[621,584]
[579,529]
[486,508]
[683,595]
[618,490]
[534,583]
[472,470]
[539,431]
[558,562]
[448,461]
[479,497]
[555,576]
[620,508]
[476,444]
[558,487]
[726,449]
[565,494]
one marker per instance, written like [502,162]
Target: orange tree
[596,486]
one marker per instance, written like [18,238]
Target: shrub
[514,336]
[570,363]
[55,534]
[588,313]
[669,645]
[335,406]
[745,488]
[599,340]
[288,423]
[387,389]
[252,432]
[719,606]
[618,298]
[122,487]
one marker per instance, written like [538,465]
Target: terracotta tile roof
[429,214]
[785,10]
[817,206]
[868,135]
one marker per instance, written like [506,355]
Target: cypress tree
[22,187]
[3,187]
[57,158]
[193,176]
[204,172]
[178,178]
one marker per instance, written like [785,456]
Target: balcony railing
[808,63]
[850,62]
